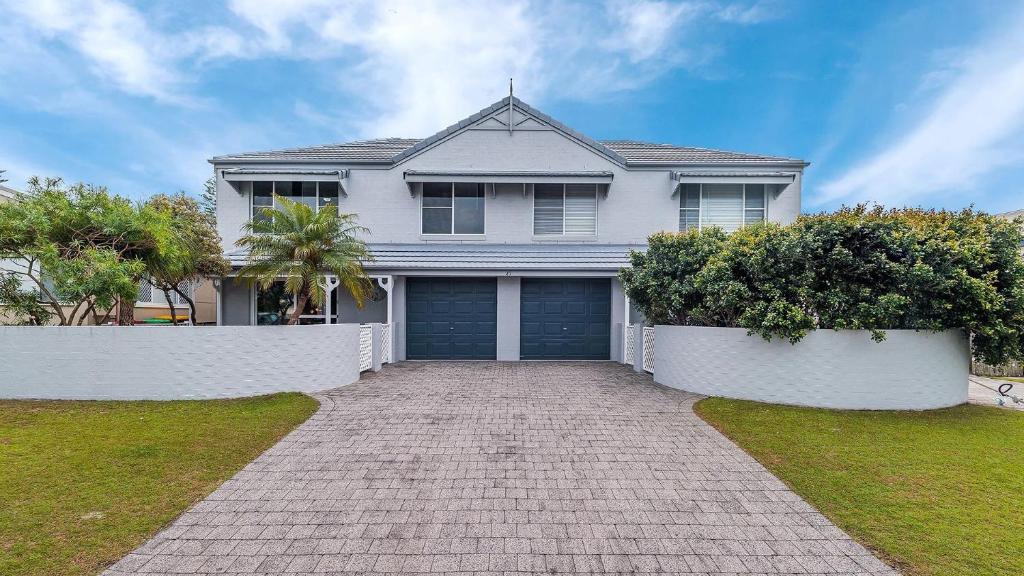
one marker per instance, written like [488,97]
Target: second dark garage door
[451,318]
[565,319]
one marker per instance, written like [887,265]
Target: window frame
[700,205]
[451,191]
[156,296]
[274,195]
[533,214]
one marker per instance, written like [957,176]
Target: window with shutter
[727,206]
[565,209]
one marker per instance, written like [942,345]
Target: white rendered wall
[174,363]
[828,369]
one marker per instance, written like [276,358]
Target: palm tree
[300,245]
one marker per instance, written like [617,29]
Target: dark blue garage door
[565,319]
[451,318]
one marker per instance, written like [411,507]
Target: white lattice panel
[630,344]
[385,344]
[365,347]
[648,349]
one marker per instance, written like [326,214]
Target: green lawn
[83,483]
[1012,379]
[937,492]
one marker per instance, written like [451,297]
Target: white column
[330,283]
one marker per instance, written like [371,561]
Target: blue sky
[918,103]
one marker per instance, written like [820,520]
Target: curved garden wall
[174,363]
[828,369]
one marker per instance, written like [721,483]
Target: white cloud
[974,126]
[422,64]
[113,37]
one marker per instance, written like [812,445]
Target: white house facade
[501,236]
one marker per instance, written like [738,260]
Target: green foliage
[21,307]
[300,245]
[857,268]
[93,246]
[208,200]
[193,250]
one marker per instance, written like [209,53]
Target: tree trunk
[125,312]
[191,305]
[89,309]
[300,305]
[170,305]
[106,317]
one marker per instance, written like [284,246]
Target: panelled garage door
[451,318]
[565,319]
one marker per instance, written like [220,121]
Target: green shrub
[858,268]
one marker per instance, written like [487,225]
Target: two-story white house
[499,237]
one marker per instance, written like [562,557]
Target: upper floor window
[565,209]
[316,195]
[728,206]
[452,208]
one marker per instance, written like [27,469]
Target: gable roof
[396,150]
[498,106]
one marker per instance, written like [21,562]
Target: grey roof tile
[394,150]
[379,150]
[452,256]
[648,152]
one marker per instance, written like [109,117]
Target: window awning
[300,175]
[509,177]
[732,177]
[415,179]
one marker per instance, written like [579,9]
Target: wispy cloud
[397,67]
[973,126]
[422,64]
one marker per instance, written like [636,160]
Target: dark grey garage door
[565,319]
[451,318]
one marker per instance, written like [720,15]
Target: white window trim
[273,196]
[700,206]
[475,235]
[533,219]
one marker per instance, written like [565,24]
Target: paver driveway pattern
[489,467]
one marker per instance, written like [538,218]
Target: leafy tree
[300,245]
[196,252]
[208,199]
[2,177]
[81,247]
[857,268]
[20,305]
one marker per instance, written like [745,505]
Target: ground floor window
[275,306]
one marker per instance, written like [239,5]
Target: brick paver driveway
[487,467]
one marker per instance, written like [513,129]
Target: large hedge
[857,268]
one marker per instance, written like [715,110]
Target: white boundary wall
[828,369]
[174,363]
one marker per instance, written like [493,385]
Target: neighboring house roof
[8,193]
[394,150]
[431,256]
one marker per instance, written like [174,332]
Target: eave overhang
[234,175]
[415,179]
[732,177]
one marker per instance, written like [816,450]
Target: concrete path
[490,468]
[985,391]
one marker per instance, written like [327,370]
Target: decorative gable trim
[490,118]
